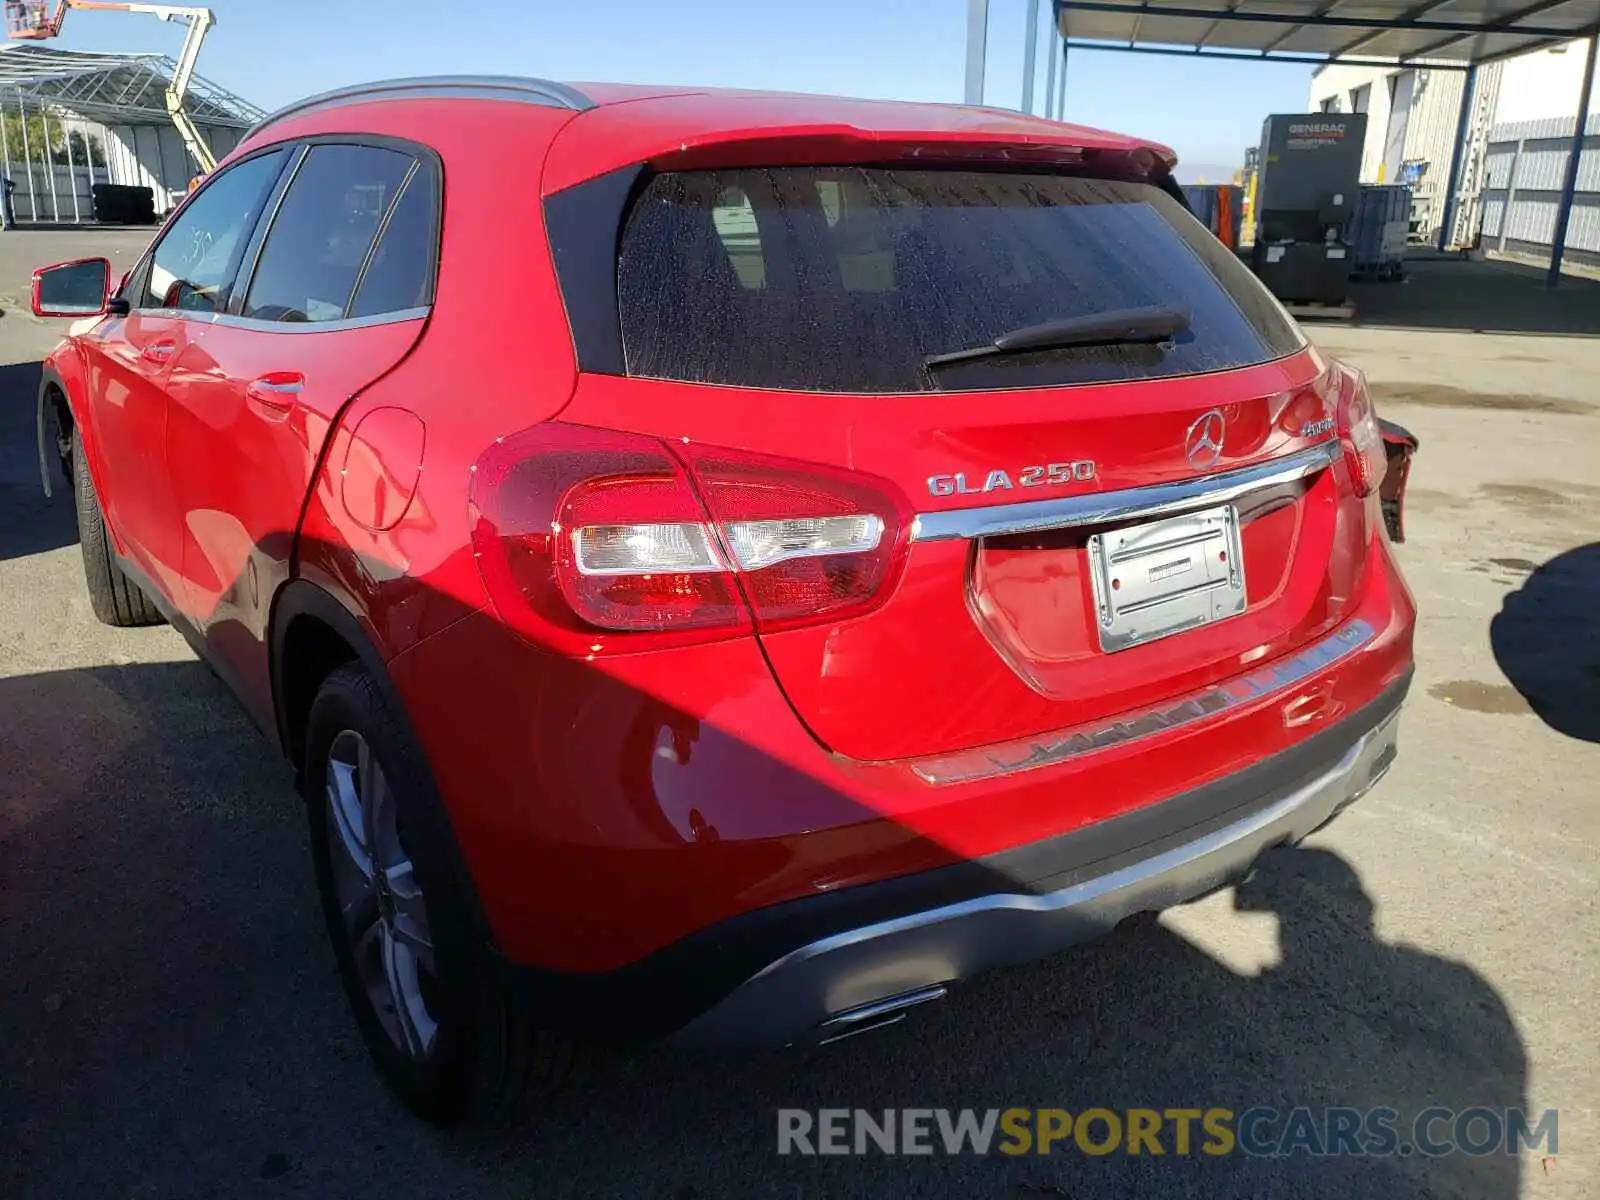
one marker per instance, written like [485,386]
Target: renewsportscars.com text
[1263,1132]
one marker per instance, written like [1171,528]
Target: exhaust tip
[879,1014]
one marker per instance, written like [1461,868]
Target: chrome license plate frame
[1161,578]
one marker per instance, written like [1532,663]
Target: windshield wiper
[1126,326]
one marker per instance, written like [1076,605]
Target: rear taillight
[617,570]
[809,543]
[579,530]
[1359,432]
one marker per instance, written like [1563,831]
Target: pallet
[1321,312]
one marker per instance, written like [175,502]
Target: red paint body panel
[405,583]
[641,797]
[655,128]
[243,471]
[129,360]
[871,689]
[609,800]
[380,467]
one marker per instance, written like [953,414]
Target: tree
[26,138]
[87,149]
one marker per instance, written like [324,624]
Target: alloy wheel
[380,898]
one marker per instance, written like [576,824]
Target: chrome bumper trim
[793,998]
[1047,749]
[1129,504]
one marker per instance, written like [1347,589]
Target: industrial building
[1515,140]
[1412,115]
[72,119]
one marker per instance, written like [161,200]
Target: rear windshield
[850,278]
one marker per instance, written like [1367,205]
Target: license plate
[1152,581]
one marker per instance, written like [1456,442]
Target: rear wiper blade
[1155,323]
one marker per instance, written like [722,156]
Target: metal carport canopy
[1439,34]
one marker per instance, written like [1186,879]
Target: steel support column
[1050,71]
[1061,95]
[977,48]
[1456,153]
[50,165]
[1511,193]
[1030,55]
[1569,185]
[27,158]
[72,172]
[5,142]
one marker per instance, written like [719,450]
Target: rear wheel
[444,1026]
[115,598]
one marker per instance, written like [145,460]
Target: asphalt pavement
[171,1024]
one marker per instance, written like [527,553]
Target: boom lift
[31,20]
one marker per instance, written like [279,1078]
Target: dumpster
[1377,231]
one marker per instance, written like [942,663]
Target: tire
[115,598]
[482,1063]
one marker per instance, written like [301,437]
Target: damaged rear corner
[1399,446]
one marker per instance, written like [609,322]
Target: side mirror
[72,289]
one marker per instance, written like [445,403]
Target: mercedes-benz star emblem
[1202,445]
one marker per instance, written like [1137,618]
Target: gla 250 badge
[1048,475]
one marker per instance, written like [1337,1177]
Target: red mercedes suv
[735,565]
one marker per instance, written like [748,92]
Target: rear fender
[300,597]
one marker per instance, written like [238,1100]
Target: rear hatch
[818,314]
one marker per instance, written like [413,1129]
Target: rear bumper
[829,964]
[846,982]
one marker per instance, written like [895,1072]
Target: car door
[173,293]
[334,291]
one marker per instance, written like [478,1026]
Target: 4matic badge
[1047,475]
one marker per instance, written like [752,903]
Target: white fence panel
[1527,170]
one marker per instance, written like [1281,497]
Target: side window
[400,275]
[319,240]
[195,261]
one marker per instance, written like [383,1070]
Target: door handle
[159,353]
[276,393]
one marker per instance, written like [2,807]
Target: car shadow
[29,522]
[1144,1019]
[1546,639]
[175,1025]
[1478,295]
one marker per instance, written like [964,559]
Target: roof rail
[475,87]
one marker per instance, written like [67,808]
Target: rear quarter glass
[847,279]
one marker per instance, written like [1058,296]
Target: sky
[274,51]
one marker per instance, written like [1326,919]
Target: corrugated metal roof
[126,88]
[1436,31]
